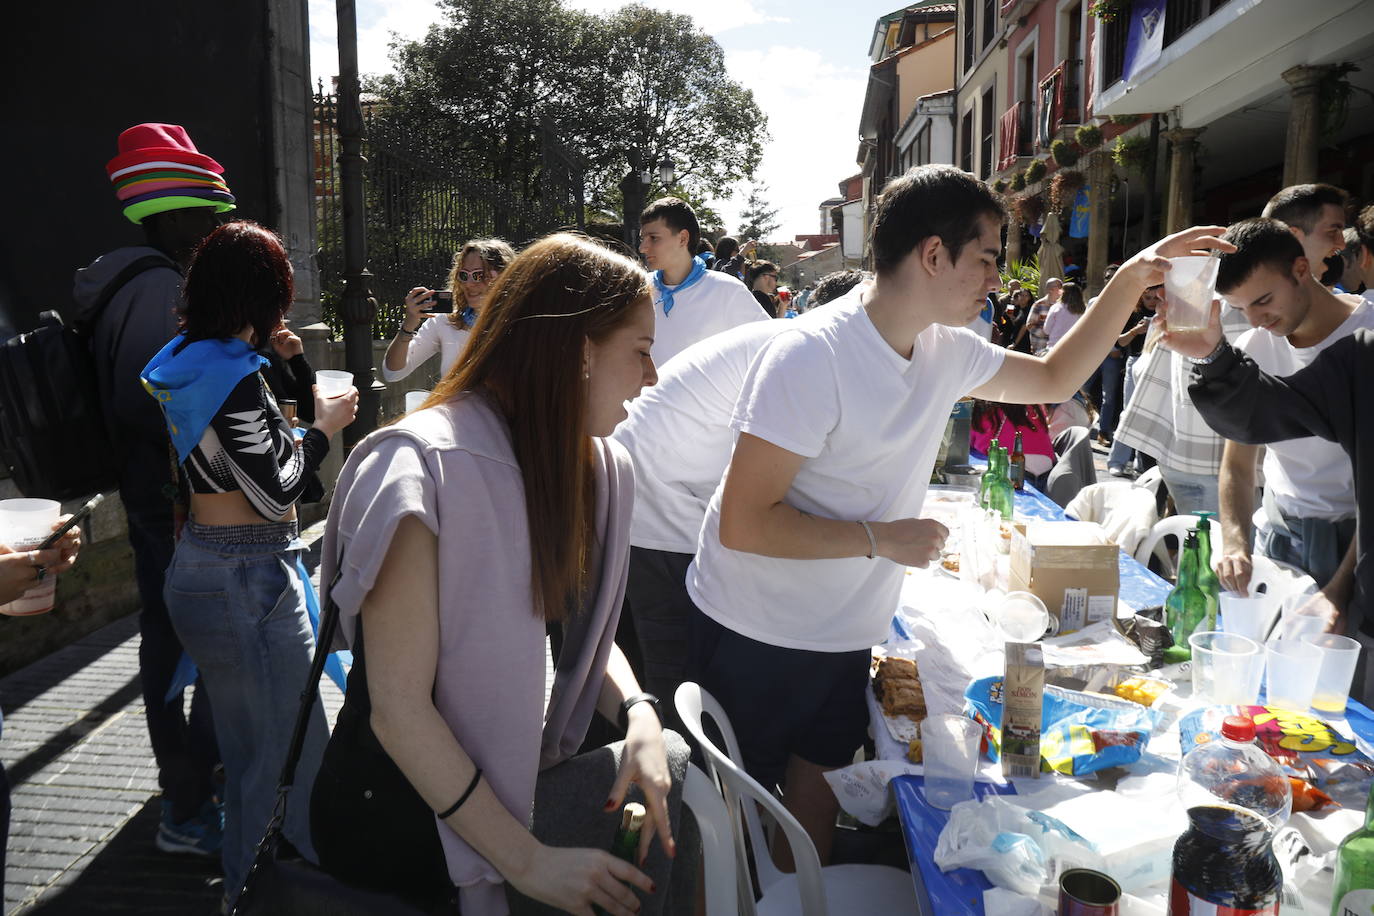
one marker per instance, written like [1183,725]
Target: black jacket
[1332,398]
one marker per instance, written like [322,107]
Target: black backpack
[52,429]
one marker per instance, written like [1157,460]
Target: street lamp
[667,172]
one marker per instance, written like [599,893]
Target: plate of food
[897,688]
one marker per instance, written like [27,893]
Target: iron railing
[420,211]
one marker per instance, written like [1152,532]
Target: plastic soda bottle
[1236,796]
[1018,463]
[1186,605]
[1207,579]
[1354,894]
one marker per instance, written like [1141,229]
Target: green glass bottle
[1354,895]
[985,485]
[1001,493]
[1186,606]
[626,843]
[1206,576]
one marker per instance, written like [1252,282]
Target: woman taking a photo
[475,268]
[503,478]
[234,590]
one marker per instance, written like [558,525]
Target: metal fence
[420,211]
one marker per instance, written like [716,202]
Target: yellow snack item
[1142,690]
[913,751]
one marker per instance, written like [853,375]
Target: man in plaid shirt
[1162,422]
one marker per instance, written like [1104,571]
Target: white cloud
[812,106]
[376,23]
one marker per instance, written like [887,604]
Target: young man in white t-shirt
[1309,502]
[1315,213]
[802,551]
[690,302]
[678,433]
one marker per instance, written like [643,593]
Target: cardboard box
[1071,566]
[1023,696]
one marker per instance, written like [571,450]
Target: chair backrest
[1156,543]
[742,793]
[1126,513]
[701,795]
[1151,479]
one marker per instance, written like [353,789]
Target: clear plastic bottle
[1236,796]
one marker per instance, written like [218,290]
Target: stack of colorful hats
[158,169]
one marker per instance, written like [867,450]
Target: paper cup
[1340,654]
[1189,286]
[332,382]
[24,525]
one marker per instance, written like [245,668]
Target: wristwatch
[639,698]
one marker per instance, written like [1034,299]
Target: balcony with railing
[1062,97]
[1015,134]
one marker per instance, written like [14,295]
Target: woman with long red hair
[456,536]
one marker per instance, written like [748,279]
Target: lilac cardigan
[452,467]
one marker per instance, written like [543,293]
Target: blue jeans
[239,609]
[1121,453]
[1191,492]
[1108,380]
[1314,545]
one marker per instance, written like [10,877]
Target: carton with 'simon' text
[1023,695]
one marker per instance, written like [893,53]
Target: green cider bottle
[1354,895]
[1186,606]
[985,484]
[626,843]
[1001,493]
[1206,576]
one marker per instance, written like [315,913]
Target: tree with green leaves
[758,220]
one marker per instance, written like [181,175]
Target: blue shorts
[781,702]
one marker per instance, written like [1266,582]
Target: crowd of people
[629,458]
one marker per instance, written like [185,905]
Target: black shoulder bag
[279,886]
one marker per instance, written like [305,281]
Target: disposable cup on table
[1249,617]
[949,745]
[24,525]
[1189,286]
[1339,657]
[414,399]
[1022,617]
[1290,673]
[1296,626]
[333,382]
[1227,668]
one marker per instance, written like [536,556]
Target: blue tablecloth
[960,892]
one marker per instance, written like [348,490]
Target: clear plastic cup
[414,399]
[949,745]
[1290,673]
[1022,617]
[1189,286]
[333,382]
[1227,669]
[24,525]
[1249,617]
[1339,657]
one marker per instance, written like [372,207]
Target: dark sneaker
[201,835]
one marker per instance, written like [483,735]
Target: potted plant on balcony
[1107,10]
[1064,188]
[1131,153]
[1035,171]
[1089,137]
[1065,154]
[1018,181]
[1028,208]
[999,186]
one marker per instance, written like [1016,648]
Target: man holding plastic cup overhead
[1328,398]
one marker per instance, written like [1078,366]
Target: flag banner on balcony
[1145,37]
[1078,222]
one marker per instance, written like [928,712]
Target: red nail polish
[653,888]
[610,804]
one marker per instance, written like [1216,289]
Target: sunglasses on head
[471,276]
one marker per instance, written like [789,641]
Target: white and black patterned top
[250,447]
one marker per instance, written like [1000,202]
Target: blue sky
[805,61]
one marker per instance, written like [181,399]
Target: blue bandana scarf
[665,292]
[469,315]
[193,383]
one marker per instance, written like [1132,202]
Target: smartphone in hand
[441,303]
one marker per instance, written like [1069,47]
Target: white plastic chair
[1150,480]
[700,795]
[812,890]
[1172,529]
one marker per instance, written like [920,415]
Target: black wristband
[639,698]
[472,787]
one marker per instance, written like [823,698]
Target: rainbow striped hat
[158,169]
